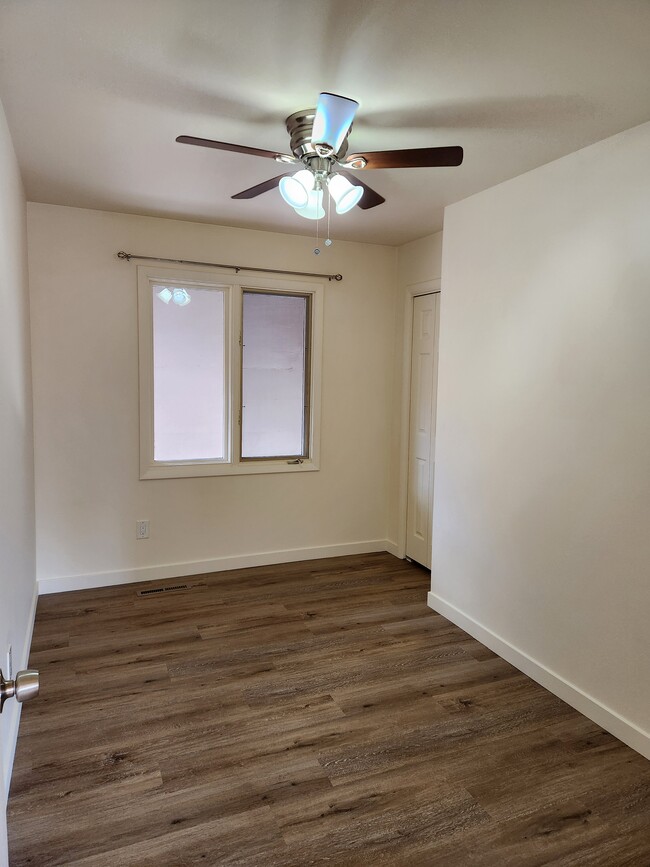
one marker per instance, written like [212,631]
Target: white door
[422,428]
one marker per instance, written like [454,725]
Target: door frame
[426,287]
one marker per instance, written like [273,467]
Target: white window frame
[233,287]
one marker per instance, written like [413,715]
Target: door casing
[426,287]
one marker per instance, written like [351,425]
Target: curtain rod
[235,268]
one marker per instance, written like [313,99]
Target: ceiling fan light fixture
[181,297]
[334,116]
[318,141]
[345,194]
[165,295]
[295,189]
[313,210]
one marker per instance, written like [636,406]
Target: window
[275,403]
[229,374]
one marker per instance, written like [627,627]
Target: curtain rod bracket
[236,268]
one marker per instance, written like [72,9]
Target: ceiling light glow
[181,297]
[165,295]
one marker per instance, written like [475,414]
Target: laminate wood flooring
[308,713]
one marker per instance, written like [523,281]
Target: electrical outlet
[142,530]
[10,663]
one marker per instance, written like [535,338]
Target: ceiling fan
[319,145]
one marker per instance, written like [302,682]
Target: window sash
[220,352]
[306,389]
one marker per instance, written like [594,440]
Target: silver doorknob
[24,687]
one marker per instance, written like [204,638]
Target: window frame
[233,287]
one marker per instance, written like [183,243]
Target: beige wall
[17,573]
[542,498]
[88,494]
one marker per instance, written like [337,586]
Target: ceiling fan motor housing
[299,127]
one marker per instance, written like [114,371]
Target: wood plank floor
[309,713]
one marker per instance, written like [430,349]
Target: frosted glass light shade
[314,209]
[334,116]
[295,189]
[165,295]
[181,297]
[345,194]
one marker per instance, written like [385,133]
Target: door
[424,352]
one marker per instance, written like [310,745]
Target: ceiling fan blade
[410,158]
[258,189]
[238,149]
[333,119]
[370,198]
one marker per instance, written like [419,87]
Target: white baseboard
[59,584]
[392,548]
[21,661]
[619,726]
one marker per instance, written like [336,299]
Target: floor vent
[153,591]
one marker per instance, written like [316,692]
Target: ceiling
[96,91]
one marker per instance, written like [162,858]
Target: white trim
[426,287]
[604,716]
[22,662]
[392,548]
[63,583]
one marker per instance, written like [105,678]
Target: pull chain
[328,240]
[328,205]
[317,248]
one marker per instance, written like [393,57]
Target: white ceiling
[96,91]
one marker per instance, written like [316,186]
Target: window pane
[189,383]
[274,375]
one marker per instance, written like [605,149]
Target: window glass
[274,375]
[189,400]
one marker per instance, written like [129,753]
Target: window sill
[201,470]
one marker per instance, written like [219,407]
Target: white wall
[542,497]
[420,260]
[88,495]
[17,572]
